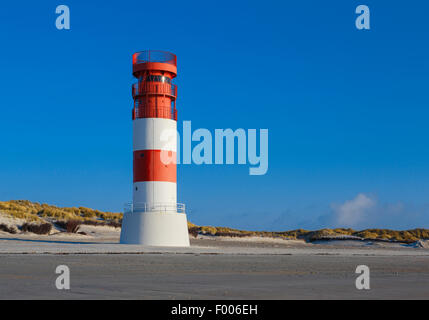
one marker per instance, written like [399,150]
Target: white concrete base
[155,229]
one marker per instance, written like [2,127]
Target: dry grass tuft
[98,223]
[6,228]
[71,226]
[44,228]
[194,231]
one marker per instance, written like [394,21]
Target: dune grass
[36,213]
[406,236]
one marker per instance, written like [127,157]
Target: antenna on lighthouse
[154,218]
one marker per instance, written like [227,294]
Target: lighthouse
[154,218]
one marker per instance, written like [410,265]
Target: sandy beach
[212,268]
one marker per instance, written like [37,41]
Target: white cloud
[353,212]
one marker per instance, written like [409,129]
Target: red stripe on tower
[148,165]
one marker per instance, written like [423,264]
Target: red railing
[144,111]
[154,56]
[148,87]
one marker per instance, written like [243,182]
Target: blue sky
[347,110]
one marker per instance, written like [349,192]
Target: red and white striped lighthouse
[155,218]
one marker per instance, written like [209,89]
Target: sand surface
[212,268]
[205,276]
[105,240]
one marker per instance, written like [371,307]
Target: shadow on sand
[55,241]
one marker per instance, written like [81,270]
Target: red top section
[154,60]
[154,94]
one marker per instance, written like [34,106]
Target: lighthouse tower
[154,218]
